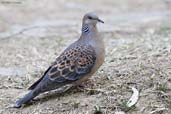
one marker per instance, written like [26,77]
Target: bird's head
[91,18]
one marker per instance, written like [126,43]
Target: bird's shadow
[52,95]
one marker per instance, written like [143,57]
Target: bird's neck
[88,29]
[90,35]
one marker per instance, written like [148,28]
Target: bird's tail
[29,96]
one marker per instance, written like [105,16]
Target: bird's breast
[100,53]
[98,45]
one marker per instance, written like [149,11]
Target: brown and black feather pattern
[71,65]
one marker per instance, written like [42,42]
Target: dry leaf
[134,98]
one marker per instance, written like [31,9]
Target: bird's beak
[99,20]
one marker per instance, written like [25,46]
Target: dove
[76,64]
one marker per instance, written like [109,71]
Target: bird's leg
[64,89]
[81,86]
[60,90]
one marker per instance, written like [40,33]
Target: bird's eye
[90,18]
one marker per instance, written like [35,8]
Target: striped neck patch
[85,29]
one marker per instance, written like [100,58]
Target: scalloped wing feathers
[72,64]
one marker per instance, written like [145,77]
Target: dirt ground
[137,36]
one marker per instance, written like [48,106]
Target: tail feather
[33,86]
[38,81]
[25,99]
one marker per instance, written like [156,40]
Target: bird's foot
[81,86]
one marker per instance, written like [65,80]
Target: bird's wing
[38,81]
[73,64]
[70,66]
